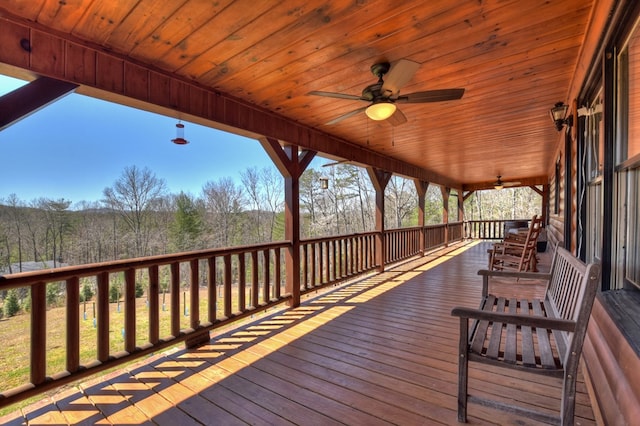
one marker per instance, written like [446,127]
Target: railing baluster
[73,324]
[277,273]
[38,332]
[103,316]
[254,279]
[227,285]
[242,304]
[267,273]
[153,295]
[304,267]
[211,290]
[194,299]
[130,310]
[313,260]
[175,298]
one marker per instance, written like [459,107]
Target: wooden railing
[217,287]
[231,283]
[326,261]
[487,229]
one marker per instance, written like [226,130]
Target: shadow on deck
[379,351]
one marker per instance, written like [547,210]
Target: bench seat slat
[477,343]
[528,351]
[493,349]
[511,344]
[547,360]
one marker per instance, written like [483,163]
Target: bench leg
[568,399]
[463,370]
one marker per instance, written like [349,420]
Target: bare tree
[58,225]
[132,197]
[401,200]
[265,189]
[224,201]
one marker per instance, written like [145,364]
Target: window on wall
[594,133]
[633,70]
[632,264]
[628,156]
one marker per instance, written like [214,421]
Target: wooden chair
[540,336]
[517,252]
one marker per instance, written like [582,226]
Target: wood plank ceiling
[514,58]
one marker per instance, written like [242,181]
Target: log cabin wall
[610,353]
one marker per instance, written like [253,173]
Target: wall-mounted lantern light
[559,116]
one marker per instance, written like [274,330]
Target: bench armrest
[518,319]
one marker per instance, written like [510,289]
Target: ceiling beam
[25,100]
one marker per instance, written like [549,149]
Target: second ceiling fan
[383,95]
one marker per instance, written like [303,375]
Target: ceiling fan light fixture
[380,110]
[498,185]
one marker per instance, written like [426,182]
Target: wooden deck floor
[380,351]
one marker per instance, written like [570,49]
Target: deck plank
[379,351]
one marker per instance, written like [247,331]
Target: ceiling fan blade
[336,95]
[347,115]
[511,184]
[431,96]
[397,118]
[399,74]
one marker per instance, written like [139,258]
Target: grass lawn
[15,336]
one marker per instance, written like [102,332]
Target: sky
[77,146]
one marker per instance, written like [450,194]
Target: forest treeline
[137,216]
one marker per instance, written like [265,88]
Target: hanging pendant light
[180,140]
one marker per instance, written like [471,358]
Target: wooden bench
[544,336]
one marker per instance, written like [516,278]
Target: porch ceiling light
[559,116]
[180,140]
[380,110]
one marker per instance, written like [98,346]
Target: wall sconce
[180,140]
[324,183]
[380,110]
[559,116]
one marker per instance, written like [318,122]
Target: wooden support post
[445,212]
[460,206]
[379,179]
[291,163]
[421,189]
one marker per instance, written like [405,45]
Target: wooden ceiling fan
[383,96]
[500,184]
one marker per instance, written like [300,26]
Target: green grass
[15,337]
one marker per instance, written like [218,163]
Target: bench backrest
[570,295]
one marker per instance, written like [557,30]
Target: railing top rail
[336,237]
[91,269]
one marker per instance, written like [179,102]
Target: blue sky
[77,146]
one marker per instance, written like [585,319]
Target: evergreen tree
[87,293]
[188,224]
[11,304]
[114,293]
